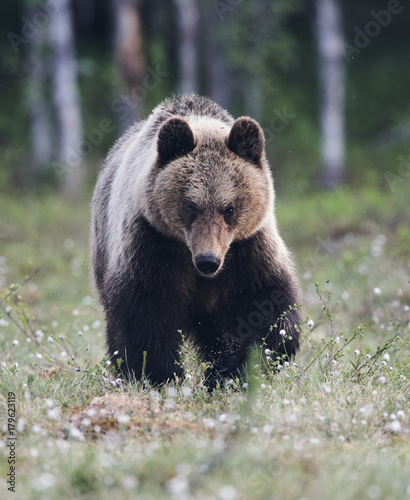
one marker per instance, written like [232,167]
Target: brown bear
[184,239]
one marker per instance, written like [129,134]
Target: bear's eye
[229,212]
[191,213]
[191,210]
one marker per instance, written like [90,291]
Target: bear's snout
[207,263]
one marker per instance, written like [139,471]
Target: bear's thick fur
[184,239]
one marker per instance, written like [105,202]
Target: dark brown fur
[205,191]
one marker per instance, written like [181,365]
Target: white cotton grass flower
[76,434]
[373,491]
[356,352]
[377,291]
[326,388]
[268,352]
[21,424]
[50,339]
[172,392]
[129,483]
[311,323]
[87,300]
[4,322]
[44,482]
[123,419]
[394,427]
[336,340]
[267,429]
[178,486]
[386,356]
[54,414]
[227,492]
[15,342]
[282,332]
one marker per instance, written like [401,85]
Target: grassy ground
[334,425]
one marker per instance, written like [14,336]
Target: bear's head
[212,185]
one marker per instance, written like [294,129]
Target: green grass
[335,425]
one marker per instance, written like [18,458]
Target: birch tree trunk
[66,100]
[331,71]
[216,71]
[188,19]
[130,57]
[40,130]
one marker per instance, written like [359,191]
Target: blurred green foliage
[270,50]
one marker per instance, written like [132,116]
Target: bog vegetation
[334,423]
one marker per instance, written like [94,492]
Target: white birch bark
[188,19]
[66,100]
[40,130]
[331,70]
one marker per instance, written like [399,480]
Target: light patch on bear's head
[219,192]
[204,127]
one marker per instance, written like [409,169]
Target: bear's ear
[175,139]
[246,140]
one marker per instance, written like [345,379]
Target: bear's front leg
[145,335]
[260,320]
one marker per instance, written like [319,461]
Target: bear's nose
[207,263]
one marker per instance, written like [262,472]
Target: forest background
[329,82]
